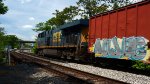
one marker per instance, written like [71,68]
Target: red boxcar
[121,33]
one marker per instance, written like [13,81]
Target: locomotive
[117,34]
[69,40]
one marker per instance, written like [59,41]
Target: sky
[23,15]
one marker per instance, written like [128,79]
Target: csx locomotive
[69,40]
[118,34]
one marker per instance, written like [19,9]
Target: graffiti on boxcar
[133,48]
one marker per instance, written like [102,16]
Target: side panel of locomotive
[51,38]
[68,40]
[122,34]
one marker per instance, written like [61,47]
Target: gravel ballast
[114,74]
[31,74]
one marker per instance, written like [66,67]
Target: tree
[66,15]
[89,8]
[3,8]
[12,40]
[6,40]
[115,4]
[2,32]
[1,38]
[61,17]
[92,7]
[42,26]
[85,9]
[34,49]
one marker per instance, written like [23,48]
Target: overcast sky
[23,15]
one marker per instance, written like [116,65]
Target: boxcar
[122,33]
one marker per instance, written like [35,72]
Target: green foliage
[5,40]
[66,15]
[140,65]
[69,13]
[12,40]
[42,27]
[115,6]
[91,7]
[119,3]
[61,17]
[1,43]
[34,49]
[3,8]
[2,55]
[2,38]
[1,59]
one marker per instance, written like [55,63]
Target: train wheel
[72,55]
[39,53]
[59,53]
[64,54]
[69,54]
[91,58]
[42,53]
[77,57]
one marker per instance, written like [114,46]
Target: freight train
[122,34]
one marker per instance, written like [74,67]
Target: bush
[2,57]
[34,49]
[140,65]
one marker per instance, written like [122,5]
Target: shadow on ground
[29,74]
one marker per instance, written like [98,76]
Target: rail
[90,78]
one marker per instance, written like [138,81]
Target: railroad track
[88,77]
